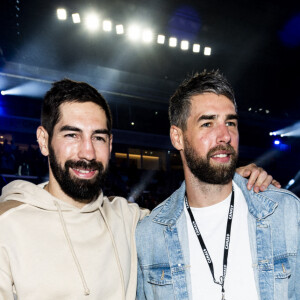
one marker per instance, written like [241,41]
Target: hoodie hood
[37,196]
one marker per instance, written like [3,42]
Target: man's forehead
[81,114]
[211,101]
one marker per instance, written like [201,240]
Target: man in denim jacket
[213,238]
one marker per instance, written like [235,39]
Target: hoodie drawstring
[116,253]
[85,287]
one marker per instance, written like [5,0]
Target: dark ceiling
[256,44]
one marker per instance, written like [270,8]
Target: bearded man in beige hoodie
[64,239]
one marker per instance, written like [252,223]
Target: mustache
[92,165]
[228,148]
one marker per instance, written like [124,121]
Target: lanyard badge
[226,246]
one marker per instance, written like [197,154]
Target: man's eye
[231,124]
[71,135]
[99,138]
[206,125]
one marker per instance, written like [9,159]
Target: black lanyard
[226,246]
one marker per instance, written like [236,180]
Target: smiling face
[79,151]
[210,142]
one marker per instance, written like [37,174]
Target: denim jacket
[274,233]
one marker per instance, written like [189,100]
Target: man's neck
[203,194]
[59,194]
[55,190]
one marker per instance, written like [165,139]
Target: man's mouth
[221,156]
[84,173]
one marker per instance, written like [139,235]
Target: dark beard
[81,190]
[204,171]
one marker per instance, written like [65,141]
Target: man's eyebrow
[70,128]
[76,129]
[101,131]
[207,117]
[232,117]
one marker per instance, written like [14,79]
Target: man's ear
[176,136]
[42,139]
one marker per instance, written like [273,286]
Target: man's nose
[87,150]
[223,134]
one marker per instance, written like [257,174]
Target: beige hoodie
[50,249]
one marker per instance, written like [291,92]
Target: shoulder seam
[9,204]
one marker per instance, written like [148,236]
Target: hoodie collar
[35,195]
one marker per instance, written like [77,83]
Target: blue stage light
[277,142]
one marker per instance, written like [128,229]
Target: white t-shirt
[212,222]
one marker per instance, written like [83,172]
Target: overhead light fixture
[172,42]
[61,14]
[107,25]
[147,36]
[76,18]
[196,48]
[184,45]
[119,29]
[92,22]
[134,32]
[207,51]
[161,39]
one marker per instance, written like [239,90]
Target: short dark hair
[65,91]
[205,82]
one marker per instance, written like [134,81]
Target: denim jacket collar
[172,208]
[259,205]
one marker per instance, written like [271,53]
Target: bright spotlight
[119,29]
[107,25]
[31,89]
[76,18]
[291,182]
[276,142]
[61,14]
[134,32]
[293,130]
[196,48]
[161,39]
[207,51]
[92,22]
[184,45]
[172,42]
[147,36]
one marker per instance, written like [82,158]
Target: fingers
[276,183]
[243,171]
[259,180]
[262,182]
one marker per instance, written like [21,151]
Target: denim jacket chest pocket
[158,274]
[282,267]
